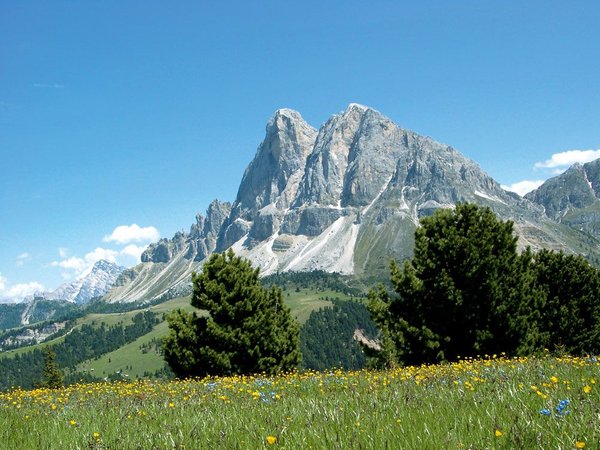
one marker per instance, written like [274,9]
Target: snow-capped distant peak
[94,283]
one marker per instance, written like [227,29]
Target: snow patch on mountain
[95,283]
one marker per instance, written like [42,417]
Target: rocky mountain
[573,197]
[96,283]
[46,305]
[346,198]
[166,265]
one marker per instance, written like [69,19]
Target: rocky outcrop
[195,245]
[270,182]
[573,197]
[347,199]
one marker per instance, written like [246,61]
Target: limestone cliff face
[195,245]
[347,198]
[271,180]
[573,197]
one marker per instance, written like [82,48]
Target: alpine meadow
[463,283]
[238,225]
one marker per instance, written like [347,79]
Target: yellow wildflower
[580,444]
[587,389]
[498,433]
[271,440]
[72,422]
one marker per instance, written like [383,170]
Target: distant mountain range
[348,197]
[573,198]
[93,284]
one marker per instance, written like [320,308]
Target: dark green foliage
[570,316]
[40,311]
[327,337]
[79,345]
[52,376]
[316,280]
[10,315]
[467,292]
[249,330]
[459,289]
[55,310]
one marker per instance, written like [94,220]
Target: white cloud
[523,187]
[19,291]
[562,160]
[63,252]
[125,234]
[101,253]
[22,258]
[72,263]
[134,251]
[78,266]
[48,86]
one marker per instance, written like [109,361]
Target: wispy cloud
[562,160]
[135,251]
[63,252]
[18,291]
[48,85]
[523,187]
[22,290]
[75,266]
[125,234]
[22,259]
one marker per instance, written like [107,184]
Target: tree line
[327,338]
[468,291]
[87,342]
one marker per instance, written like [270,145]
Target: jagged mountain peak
[94,283]
[573,197]
[104,265]
[345,198]
[285,113]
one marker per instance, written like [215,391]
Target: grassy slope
[502,404]
[131,360]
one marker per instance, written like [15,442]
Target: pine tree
[248,329]
[464,293]
[570,316]
[52,376]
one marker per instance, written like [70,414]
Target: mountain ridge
[572,197]
[344,198]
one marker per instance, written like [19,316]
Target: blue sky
[118,113]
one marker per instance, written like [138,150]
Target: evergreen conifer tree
[248,329]
[52,376]
[465,292]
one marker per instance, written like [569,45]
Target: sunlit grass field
[546,403]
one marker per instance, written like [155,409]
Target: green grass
[305,301]
[131,360]
[471,405]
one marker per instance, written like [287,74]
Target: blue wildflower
[545,412]
[561,407]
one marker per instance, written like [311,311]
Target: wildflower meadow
[496,402]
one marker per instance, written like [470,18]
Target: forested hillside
[327,337]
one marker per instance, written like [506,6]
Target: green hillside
[142,358]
